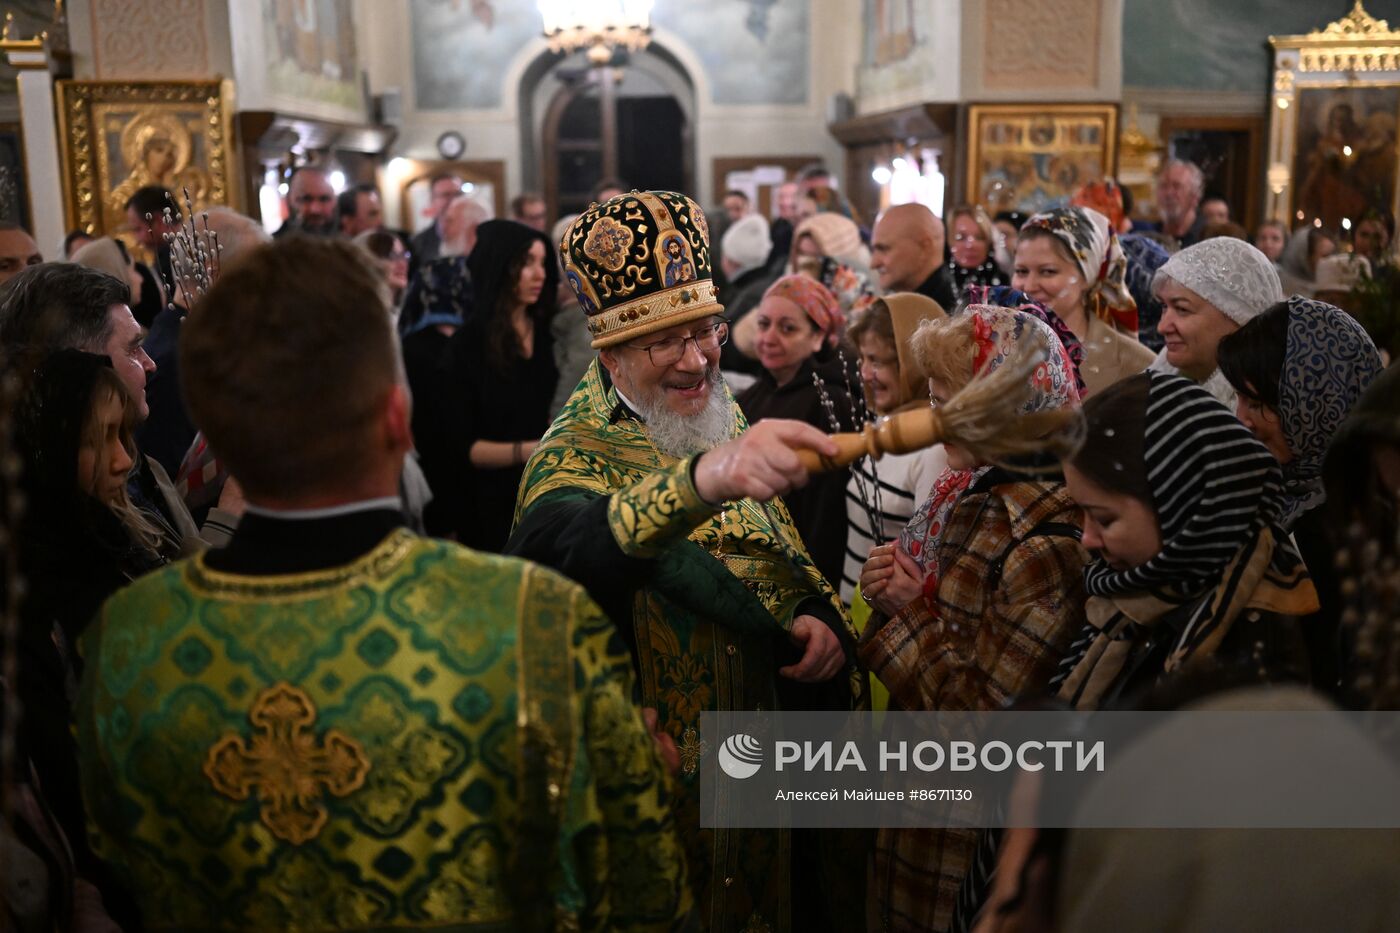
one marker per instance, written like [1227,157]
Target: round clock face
[451,144]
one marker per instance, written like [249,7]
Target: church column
[42,163]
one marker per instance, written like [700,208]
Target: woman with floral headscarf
[794,329]
[1145,255]
[1298,369]
[1070,260]
[981,596]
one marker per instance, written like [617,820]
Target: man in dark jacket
[907,253]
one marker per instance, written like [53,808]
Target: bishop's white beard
[681,436]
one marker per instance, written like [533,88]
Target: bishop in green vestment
[716,595]
[333,724]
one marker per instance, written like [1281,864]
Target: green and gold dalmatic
[710,595]
[426,738]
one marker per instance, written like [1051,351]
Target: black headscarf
[499,244]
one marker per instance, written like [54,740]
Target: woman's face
[396,267]
[1118,528]
[786,335]
[1264,422]
[970,246]
[879,372]
[1322,247]
[1191,330]
[958,458]
[1270,241]
[1009,233]
[103,460]
[1047,277]
[531,282]
[807,246]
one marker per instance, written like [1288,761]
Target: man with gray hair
[650,492]
[445,272]
[459,222]
[1180,185]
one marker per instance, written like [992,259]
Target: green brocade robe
[710,595]
[375,746]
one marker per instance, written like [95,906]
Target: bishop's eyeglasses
[668,352]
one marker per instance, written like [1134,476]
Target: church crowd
[359,580]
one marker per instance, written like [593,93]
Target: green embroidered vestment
[362,748]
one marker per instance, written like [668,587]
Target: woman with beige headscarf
[828,248]
[882,495]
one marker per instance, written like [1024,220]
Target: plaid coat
[1010,600]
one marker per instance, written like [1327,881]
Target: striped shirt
[904,482]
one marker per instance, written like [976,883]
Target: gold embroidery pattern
[697,214]
[385,559]
[649,515]
[608,244]
[692,749]
[284,765]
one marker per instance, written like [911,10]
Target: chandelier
[600,26]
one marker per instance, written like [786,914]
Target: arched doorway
[633,120]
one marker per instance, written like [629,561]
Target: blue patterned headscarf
[1328,363]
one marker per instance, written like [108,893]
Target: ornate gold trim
[8,42]
[1356,23]
[378,563]
[978,114]
[1134,143]
[679,305]
[1358,42]
[85,156]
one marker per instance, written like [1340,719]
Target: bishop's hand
[822,654]
[760,463]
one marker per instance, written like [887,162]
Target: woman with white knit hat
[1208,291]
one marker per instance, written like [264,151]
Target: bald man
[907,253]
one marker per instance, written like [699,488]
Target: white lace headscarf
[1231,274]
[1234,277]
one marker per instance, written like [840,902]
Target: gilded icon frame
[1326,170]
[1054,149]
[103,124]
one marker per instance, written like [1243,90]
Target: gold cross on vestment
[692,749]
[284,765]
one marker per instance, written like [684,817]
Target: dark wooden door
[592,133]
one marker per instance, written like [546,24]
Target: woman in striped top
[881,495]
[1182,510]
